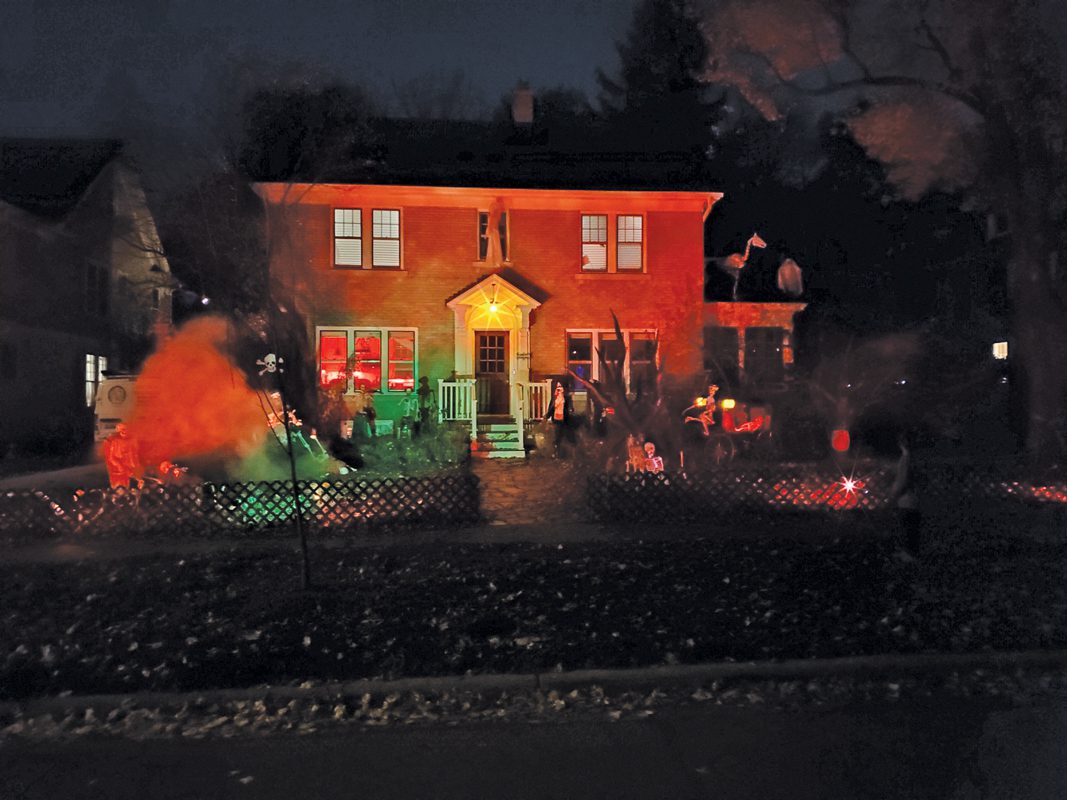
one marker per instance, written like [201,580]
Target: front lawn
[236,618]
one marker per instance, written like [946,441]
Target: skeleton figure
[270,364]
[635,456]
[653,463]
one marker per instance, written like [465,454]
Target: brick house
[84,282]
[488,292]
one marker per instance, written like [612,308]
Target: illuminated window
[347,237]
[483,239]
[385,224]
[401,361]
[635,354]
[333,359]
[94,371]
[630,238]
[367,361]
[594,242]
[580,354]
[1000,350]
[352,358]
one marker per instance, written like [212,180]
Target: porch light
[492,308]
[1000,350]
[729,403]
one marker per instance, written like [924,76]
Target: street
[937,748]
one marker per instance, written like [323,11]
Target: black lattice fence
[767,489]
[328,507]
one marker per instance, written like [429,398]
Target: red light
[840,440]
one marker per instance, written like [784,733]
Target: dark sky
[70,67]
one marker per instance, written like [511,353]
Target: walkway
[531,491]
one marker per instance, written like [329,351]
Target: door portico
[493,304]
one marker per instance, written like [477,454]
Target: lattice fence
[771,489]
[208,509]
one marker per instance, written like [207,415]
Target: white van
[114,402]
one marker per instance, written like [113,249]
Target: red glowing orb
[840,440]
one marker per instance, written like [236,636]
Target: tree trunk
[1040,328]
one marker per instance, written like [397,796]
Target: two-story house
[488,292]
[84,281]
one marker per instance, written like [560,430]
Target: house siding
[439,256]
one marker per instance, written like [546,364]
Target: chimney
[522,104]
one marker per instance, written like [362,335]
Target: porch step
[499,438]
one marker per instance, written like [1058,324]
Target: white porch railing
[458,402]
[537,396]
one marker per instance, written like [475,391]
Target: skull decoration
[270,363]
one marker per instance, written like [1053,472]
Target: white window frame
[589,242]
[94,367]
[380,225]
[346,223]
[630,231]
[350,335]
[612,231]
[506,219]
[597,333]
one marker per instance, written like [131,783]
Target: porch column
[463,363]
[522,347]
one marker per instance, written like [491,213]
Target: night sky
[70,67]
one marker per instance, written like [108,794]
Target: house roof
[49,176]
[489,154]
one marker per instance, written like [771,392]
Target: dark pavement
[922,748]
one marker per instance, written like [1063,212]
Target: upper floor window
[348,237]
[349,242]
[594,242]
[94,371]
[484,235]
[386,232]
[630,241]
[613,243]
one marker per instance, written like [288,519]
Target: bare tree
[946,98]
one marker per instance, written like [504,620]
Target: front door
[491,371]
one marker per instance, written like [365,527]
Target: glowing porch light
[729,403]
[1000,350]
[492,308]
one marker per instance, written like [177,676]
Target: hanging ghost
[790,279]
[494,250]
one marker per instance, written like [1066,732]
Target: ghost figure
[494,250]
[653,463]
[790,279]
[270,363]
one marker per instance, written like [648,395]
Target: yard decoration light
[728,403]
[841,440]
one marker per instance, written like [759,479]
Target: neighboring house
[489,293]
[84,283]
[750,344]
